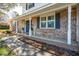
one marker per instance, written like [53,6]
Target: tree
[5,7]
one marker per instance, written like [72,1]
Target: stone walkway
[22,49]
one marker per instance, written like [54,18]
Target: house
[12,24]
[57,22]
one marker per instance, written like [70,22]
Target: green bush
[8,32]
[4,27]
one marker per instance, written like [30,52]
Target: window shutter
[38,22]
[33,4]
[26,6]
[57,16]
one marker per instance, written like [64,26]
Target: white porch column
[69,26]
[30,32]
[25,28]
[77,23]
[16,26]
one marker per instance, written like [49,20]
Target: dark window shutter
[26,6]
[33,4]
[57,16]
[38,22]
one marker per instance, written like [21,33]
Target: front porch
[63,28]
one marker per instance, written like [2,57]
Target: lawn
[5,50]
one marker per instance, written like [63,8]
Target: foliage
[8,32]
[4,27]
[7,6]
[3,51]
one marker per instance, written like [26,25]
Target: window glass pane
[14,24]
[51,24]
[43,24]
[31,5]
[50,18]
[43,19]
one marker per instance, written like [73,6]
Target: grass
[5,50]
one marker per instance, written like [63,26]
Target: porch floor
[53,42]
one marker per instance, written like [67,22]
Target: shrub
[8,32]
[4,27]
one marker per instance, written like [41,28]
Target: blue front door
[27,27]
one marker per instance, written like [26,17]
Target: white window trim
[43,21]
[54,23]
[47,22]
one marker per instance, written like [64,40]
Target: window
[14,24]
[29,5]
[43,22]
[51,22]
[48,22]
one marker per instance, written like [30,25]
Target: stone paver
[22,49]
